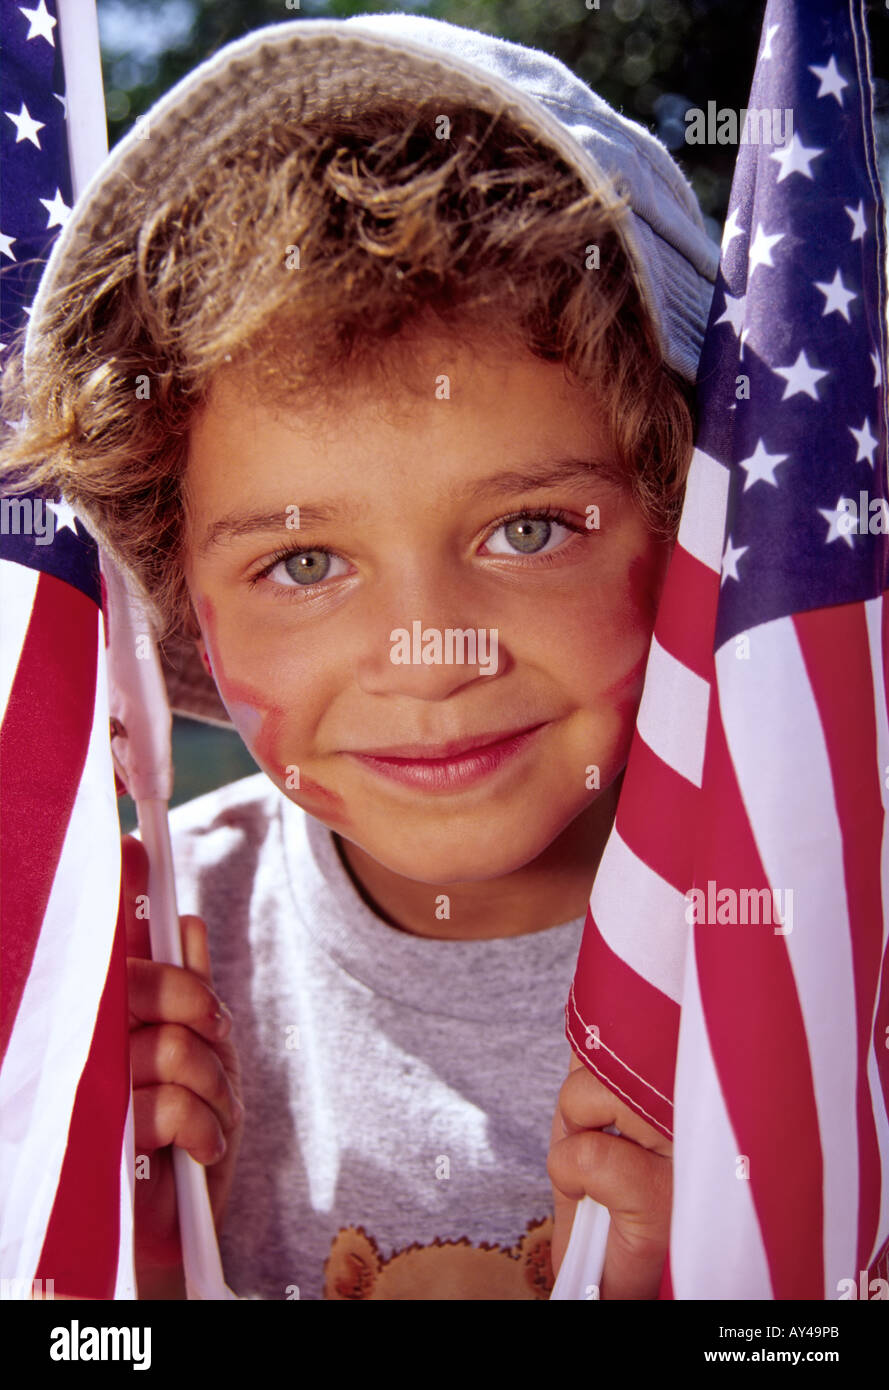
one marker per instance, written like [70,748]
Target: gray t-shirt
[399,1091]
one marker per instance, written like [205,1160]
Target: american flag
[732,984]
[65,1121]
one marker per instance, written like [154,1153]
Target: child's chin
[441,863]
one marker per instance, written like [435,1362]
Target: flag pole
[580,1273]
[136,687]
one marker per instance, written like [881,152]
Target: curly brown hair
[302,261]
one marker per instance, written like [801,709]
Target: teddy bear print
[450,1269]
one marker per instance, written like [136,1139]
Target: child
[373,362]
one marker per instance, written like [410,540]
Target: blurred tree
[652,59]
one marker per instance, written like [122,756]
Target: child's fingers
[586,1103]
[195,947]
[174,994]
[168,1114]
[173,1054]
[636,1185]
[617,1172]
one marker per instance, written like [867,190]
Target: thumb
[134,889]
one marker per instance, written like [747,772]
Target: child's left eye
[529,533]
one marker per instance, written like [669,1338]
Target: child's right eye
[301,569]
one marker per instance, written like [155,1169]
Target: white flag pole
[137,693]
[580,1273]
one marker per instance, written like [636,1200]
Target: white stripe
[702,527]
[51,1038]
[716,1249]
[18,584]
[672,716]
[780,759]
[641,916]
[125,1282]
[873,611]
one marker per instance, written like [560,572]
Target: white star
[801,377]
[64,516]
[730,561]
[767,46]
[761,465]
[865,441]
[731,229]
[64,101]
[41,22]
[733,312]
[831,83]
[58,210]
[843,513]
[761,251]
[859,225]
[836,297]
[6,245]
[795,158]
[26,127]
[878,375]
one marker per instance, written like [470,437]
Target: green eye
[307,566]
[529,534]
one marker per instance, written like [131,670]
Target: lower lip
[450,774]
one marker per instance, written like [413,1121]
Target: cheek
[609,638]
[257,720]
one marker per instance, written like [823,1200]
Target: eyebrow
[559,472]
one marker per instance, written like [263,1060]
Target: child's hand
[186,1082]
[632,1176]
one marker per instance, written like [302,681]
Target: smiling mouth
[443,752]
[449,766]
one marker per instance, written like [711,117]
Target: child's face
[420,496]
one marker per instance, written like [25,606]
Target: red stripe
[43,746]
[686,618]
[666,1289]
[638,1029]
[831,640]
[665,842]
[80,1249]
[758,1041]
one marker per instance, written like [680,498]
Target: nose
[425,637]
